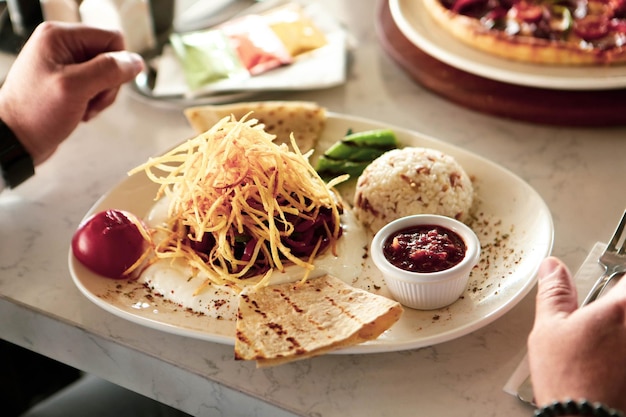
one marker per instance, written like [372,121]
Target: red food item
[425,248]
[462,5]
[592,27]
[527,12]
[109,242]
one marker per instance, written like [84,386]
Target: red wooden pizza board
[537,105]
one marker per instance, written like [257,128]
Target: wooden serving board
[538,105]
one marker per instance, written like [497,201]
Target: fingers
[128,63]
[77,42]
[99,103]
[107,70]
[96,40]
[556,293]
[92,59]
[100,78]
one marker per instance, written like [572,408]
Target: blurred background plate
[551,106]
[415,23]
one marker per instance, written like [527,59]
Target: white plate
[416,24]
[518,237]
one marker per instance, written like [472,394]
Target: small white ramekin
[431,290]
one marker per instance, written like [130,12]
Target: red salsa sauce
[424,248]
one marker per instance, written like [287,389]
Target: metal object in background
[24,15]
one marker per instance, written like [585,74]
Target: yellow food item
[297,32]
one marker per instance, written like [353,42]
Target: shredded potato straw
[242,206]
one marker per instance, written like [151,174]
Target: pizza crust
[519,48]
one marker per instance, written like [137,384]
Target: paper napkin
[585,277]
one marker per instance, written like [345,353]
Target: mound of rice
[410,181]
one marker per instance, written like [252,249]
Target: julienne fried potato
[242,206]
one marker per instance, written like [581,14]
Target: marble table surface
[577,171]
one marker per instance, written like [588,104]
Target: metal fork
[613,260]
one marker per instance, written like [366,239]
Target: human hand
[577,353]
[65,74]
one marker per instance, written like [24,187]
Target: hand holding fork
[613,259]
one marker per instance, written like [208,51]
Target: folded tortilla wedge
[304,119]
[281,323]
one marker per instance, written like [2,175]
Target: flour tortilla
[281,323]
[304,119]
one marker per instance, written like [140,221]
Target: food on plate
[240,211]
[241,206]
[111,243]
[424,248]
[179,282]
[304,119]
[412,180]
[354,152]
[427,260]
[572,32]
[282,323]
